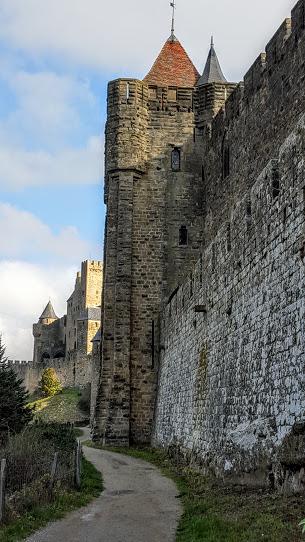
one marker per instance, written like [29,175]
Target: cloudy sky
[56,57]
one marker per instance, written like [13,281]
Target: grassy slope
[214,513]
[65,502]
[61,408]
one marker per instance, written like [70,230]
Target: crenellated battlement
[19,362]
[276,48]
[263,75]
[123,92]
[298,20]
[72,372]
[94,264]
[254,121]
[32,364]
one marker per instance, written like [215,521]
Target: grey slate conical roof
[48,312]
[212,71]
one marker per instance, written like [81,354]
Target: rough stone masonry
[203,309]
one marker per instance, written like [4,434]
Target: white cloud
[48,107]
[24,291]
[20,168]
[25,236]
[26,287]
[126,36]
[43,141]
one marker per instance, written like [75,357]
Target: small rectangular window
[275,183]
[172,95]
[249,214]
[191,285]
[213,257]
[229,241]
[176,160]
[226,162]
[249,209]
[152,93]
[183,236]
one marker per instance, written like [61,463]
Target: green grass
[216,513]
[64,502]
[61,408]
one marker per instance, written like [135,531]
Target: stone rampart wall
[231,376]
[75,372]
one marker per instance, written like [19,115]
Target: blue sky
[56,57]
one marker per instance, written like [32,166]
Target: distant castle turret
[49,336]
[72,334]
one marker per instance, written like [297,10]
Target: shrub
[50,384]
[29,458]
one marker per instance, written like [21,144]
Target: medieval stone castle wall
[224,361]
[66,344]
[231,377]
[76,372]
[231,380]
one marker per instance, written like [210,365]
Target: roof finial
[173,5]
[212,41]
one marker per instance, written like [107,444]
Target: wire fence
[35,466]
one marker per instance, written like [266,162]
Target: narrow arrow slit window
[183,236]
[176,159]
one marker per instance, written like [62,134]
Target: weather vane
[173,5]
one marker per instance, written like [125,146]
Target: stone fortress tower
[49,336]
[155,197]
[72,335]
[84,309]
[203,299]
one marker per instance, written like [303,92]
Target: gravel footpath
[138,505]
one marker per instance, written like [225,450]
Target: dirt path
[138,505]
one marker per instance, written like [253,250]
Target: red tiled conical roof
[173,67]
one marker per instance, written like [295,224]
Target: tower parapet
[126,125]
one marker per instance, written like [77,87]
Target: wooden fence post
[78,456]
[2,489]
[53,471]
